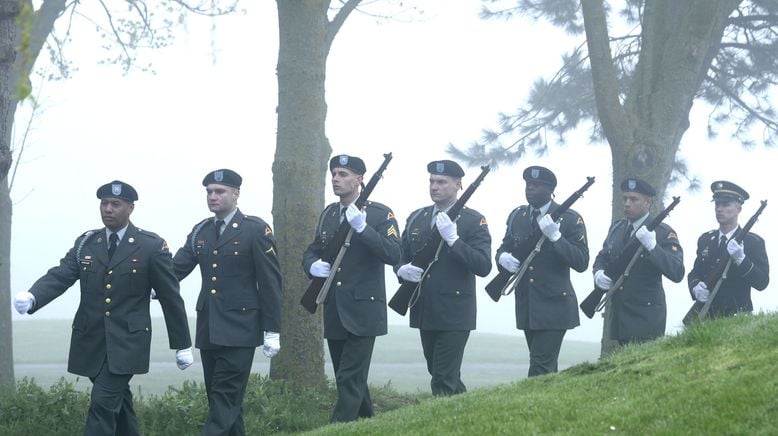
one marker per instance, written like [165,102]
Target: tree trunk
[645,132]
[299,171]
[9,10]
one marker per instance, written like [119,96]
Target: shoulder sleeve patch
[389,216]
[165,248]
[483,221]
[268,231]
[579,220]
[672,235]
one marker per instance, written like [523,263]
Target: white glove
[356,218]
[602,281]
[549,227]
[736,251]
[184,358]
[23,302]
[648,239]
[153,295]
[410,273]
[507,261]
[272,344]
[446,228]
[701,292]
[320,268]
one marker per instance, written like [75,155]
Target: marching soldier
[239,306]
[445,311]
[637,311]
[546,305]
[355,308]
[117,266]
[749,268]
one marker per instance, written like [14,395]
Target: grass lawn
[41,350]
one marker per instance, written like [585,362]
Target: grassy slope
[490,359]
[716,378]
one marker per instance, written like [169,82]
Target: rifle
[621,266]
[428,253]
[718,273]
[335,250]
[505,282]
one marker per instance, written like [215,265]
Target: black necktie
[723,244]
[113,241]
[534,218]
[342,214]
[627,232]
[218,225]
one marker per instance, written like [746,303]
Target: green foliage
[32,410]
[716,377]
[270,406]
[737,80]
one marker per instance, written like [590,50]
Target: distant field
[41,350]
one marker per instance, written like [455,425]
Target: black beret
[351,162]
[639,186]
[540,174]
[118,189]
[223,177]
[728,191]
[445,168]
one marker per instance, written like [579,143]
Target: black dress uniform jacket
[356,301]
[545,298]
[639,309]
[734,294]
[240,297]
[447,300]
[113,318]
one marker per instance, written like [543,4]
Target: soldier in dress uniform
[239,305]
[749,268]
[445,311]
[637,310]
[355,308]
[117,266]
[546,305]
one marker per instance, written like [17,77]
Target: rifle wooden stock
[331,250]
[427,253]
[523,250]
[618,267]
[717,274]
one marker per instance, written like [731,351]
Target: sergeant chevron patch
[391,231]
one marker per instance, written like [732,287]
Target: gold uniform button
[107,301]
[147,329]
[649,303]
[108,286]
[457,292]
[338,269]
[564,293]
[110,271]
[214,265]
[532,268]
[236,253]
[215,251]
[338,284]
[372,298]
[243,309]
[621,288]
[134,270]
[213,291]
[107,313]
[532,280]
[213,279]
